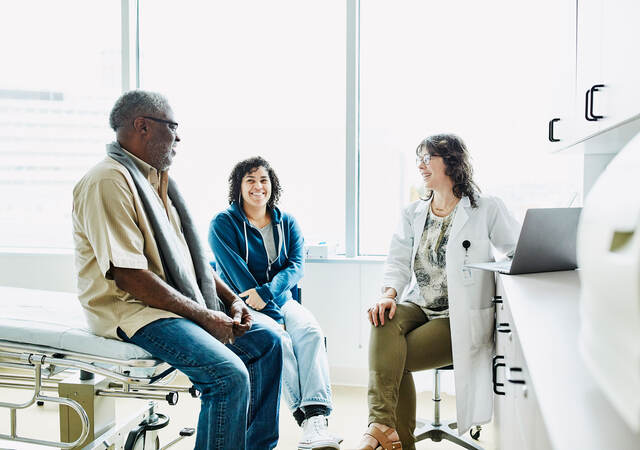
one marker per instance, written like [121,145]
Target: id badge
[468,277]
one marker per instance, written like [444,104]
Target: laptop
[547,243]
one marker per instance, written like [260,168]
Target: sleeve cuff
[264,293]
[128,262]
[274,312]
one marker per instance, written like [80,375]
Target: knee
[287,344]
[390,326]
[275,339]
[314,333]
[237,382]
[230,380]
[308,334]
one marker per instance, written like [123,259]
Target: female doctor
[432,310]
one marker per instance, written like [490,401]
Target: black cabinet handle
[551,137]
[588,103]
[510,378]
[495,374]
[497,299]
[503,328]
[594,88]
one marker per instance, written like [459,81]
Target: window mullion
[352,129]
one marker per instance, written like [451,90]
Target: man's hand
[218,325]
[253,299]
[241,317]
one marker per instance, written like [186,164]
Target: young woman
[259,252]
[433,311]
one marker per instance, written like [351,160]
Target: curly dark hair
[457,163]
[248,166]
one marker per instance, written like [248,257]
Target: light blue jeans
[305,372]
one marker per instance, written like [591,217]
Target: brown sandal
[383,439]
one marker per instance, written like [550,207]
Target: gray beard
[158,160]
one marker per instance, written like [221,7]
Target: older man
[143,278]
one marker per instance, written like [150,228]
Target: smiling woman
[259,254]
[443,161]
[424,281]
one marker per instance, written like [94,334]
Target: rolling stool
[437,431]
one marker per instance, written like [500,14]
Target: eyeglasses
[173,126]
[426,159]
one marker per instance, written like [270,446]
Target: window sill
[379,259]
[346,260]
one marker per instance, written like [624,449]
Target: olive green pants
[407,343]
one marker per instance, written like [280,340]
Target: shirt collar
[152,174]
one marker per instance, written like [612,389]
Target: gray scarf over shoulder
[202,290]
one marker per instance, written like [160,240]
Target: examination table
[45,345]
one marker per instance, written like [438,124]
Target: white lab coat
[471,312]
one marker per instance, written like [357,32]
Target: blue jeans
[239,382]
[305,375]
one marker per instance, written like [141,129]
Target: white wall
[38,269]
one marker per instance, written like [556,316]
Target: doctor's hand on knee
[376,312]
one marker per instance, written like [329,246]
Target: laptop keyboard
[504,265]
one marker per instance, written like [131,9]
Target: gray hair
[134,104]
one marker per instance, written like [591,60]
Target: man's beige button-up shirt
[111,228]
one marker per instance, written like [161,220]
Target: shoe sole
[322,447]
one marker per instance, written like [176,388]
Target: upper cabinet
[589,75]
[560,71]
[601,72]
[620,61]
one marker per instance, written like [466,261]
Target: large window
[476,69]
[59,77]
[254,78]
[269,78]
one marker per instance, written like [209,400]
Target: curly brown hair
[248,166]
[457,163]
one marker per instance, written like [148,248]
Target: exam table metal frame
[89,391]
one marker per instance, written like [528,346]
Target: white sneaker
[316,436]
[338,438]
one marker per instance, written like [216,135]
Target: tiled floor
[348,419]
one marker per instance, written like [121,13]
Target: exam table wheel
[136,437]
[135,440]
[40,403]
[475,433]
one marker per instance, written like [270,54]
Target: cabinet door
[589,67]
[558,77]
[620,62]
[524,399]
[506,427]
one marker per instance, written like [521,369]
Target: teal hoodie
[242,260]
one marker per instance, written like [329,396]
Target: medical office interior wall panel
[477,69]
[59,78]
[254,78]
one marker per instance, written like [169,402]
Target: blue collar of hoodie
[276,220]
[236,210]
